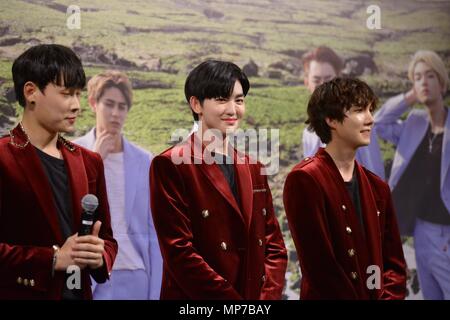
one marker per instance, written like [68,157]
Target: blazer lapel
[371,223]
[445,162]
[369,212]
[408,145]
[352,218]
[132,167]
[244,181]
[30,163]
[78,179]
[205,162]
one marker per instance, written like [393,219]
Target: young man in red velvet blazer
[211,207]
[340,214]
[43,178]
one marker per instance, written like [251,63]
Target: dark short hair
[323,54]
[44,64]
[332,99]
[214,79]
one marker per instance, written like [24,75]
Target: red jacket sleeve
[394,276]
[276,255]
[29,261]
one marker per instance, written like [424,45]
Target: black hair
[214,79]
[332,99]
[44,64]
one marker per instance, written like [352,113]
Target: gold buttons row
[224,245]
[352,252]
[345,209]
[26,282]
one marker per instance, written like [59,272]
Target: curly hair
[332,99]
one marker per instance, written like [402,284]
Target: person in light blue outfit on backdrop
[320,65]
[420,176]
[137,270]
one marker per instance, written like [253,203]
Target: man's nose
[369,117]
[231,108]
[115,111]
[76,105]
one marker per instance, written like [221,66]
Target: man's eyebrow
[64,89]
[426,71]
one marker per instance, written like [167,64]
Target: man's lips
[232,120]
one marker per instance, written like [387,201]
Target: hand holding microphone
[89,203]
[89,249]
[83,249]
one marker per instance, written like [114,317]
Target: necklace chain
[15,144]
[431,137]
[66,143]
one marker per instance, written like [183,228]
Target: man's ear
[195,105]
[331,123]
[30,90]
[92,103]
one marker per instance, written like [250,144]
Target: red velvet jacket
[212,247]
[333,251]
[29,223]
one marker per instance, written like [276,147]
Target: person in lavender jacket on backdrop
[420,176]
[137,271]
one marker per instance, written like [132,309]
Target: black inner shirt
[226,164]
[418,191]
[353,190]
[56,172]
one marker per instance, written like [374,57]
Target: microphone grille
[89,202]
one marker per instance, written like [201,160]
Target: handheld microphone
[89,203]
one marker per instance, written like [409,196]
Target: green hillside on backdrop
[158,42]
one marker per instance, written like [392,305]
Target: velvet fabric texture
[338,258]
[29,223]
[213,246]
